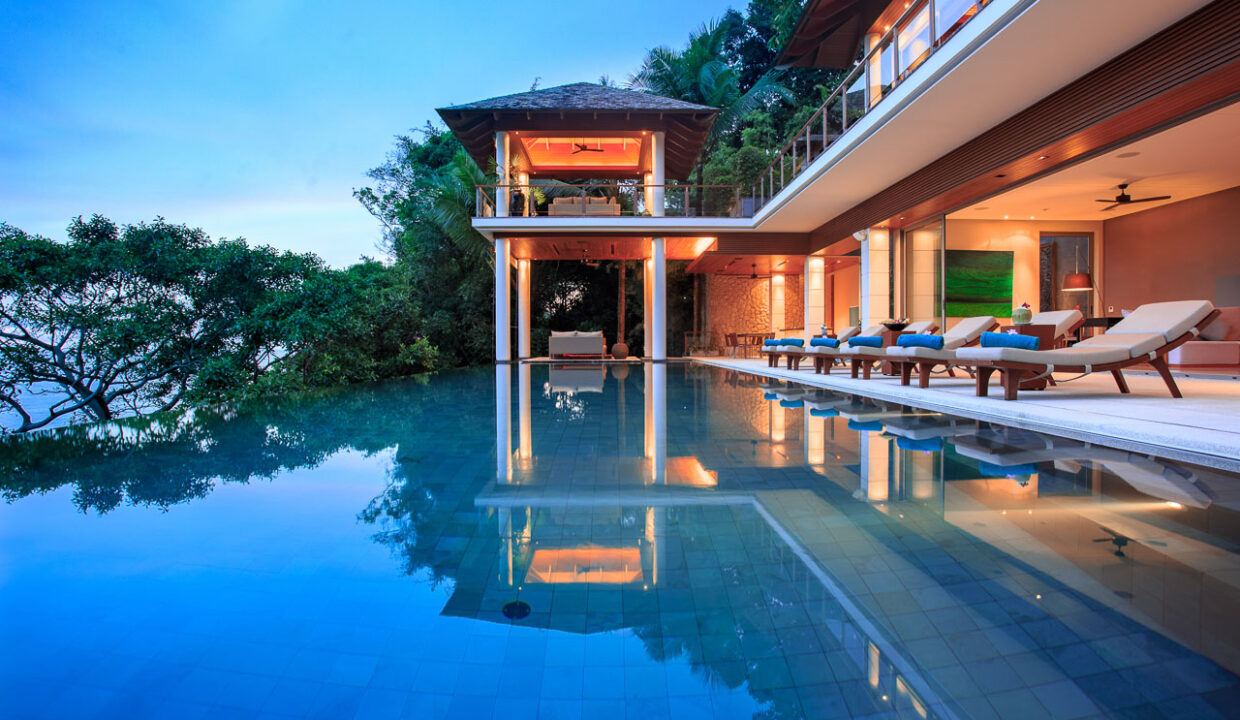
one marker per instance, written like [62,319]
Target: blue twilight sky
[258,118]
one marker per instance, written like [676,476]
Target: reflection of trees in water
[161,460]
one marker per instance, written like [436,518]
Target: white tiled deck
[1203,427]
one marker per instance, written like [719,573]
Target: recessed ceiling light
[1043,157]
[1128,155]
[1000,175]
[1005,217]
[1032,217]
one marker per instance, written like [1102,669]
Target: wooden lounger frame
[1014,373]
[924,367]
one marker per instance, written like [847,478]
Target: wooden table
[756,337]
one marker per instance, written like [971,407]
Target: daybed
[576,343]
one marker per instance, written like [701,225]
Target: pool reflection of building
[1115,527]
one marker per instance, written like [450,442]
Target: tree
[122,320]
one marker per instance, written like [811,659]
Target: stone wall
[739,304]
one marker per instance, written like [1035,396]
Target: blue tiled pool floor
[687,548]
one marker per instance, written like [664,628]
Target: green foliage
[134,320]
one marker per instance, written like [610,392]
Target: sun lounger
[924,359]
[1145,336]
[862,358]
[824,356]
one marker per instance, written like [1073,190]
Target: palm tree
[702,74]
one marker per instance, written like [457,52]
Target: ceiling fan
[1125,199]
[582,147]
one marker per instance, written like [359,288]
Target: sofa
[576,343]
[584,206]
[1218,344]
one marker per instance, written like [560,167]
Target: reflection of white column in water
[648,419]
[504,516]
[875,466]
[659,394]
[815,440]
[525,438]
[503,423]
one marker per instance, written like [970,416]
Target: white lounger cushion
[873,330]
[1063,320]
[1169,319]
[848,332]
[922,353]
[1076,355]
[860,350]
[919,327]
[822,350]
[789,348]
[1135,343]
[966,331]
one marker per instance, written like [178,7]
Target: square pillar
[523,309]
[658,290]
[814,296]
[503,290]
[777,303]
[502,193]
[648,307]
[875,277]
[658,142]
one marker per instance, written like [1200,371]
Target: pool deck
[1203,427]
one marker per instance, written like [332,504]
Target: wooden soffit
[1189,69]
[829,33]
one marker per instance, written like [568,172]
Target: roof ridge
[584,96]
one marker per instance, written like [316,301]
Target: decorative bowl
[895,326]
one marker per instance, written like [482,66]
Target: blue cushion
[792,341]
[934,342]
[1023,342]
[924,445]
[828,412]
[770,396]
[866,340]
[1006,470]
[871,426]
[824,342]
[792,403]
[770,342]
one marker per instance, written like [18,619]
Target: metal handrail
[685,200]
[764,188]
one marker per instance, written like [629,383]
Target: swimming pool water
[690,542]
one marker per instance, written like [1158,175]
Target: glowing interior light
[1174,505]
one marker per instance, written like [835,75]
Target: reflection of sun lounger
[1146,475]
[926,426]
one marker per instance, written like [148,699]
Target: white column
[777,303]
[523,309]
[503,423]
[875,273]
[501,170]
[658,289]
[523,180]
[814,295]
[503,329]
[648,192]
[658,142]
[648,307]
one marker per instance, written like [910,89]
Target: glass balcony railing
[920,30]
[616,199]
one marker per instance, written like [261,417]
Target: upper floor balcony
[899,42]
[617,199]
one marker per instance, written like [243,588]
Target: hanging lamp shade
[1077,282]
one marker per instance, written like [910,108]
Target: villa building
[1072,154]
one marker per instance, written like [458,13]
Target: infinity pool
[614,541]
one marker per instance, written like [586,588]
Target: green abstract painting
[979,282]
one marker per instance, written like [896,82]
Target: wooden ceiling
[720,263]
[562,247]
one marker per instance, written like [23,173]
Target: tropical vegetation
[135,319]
